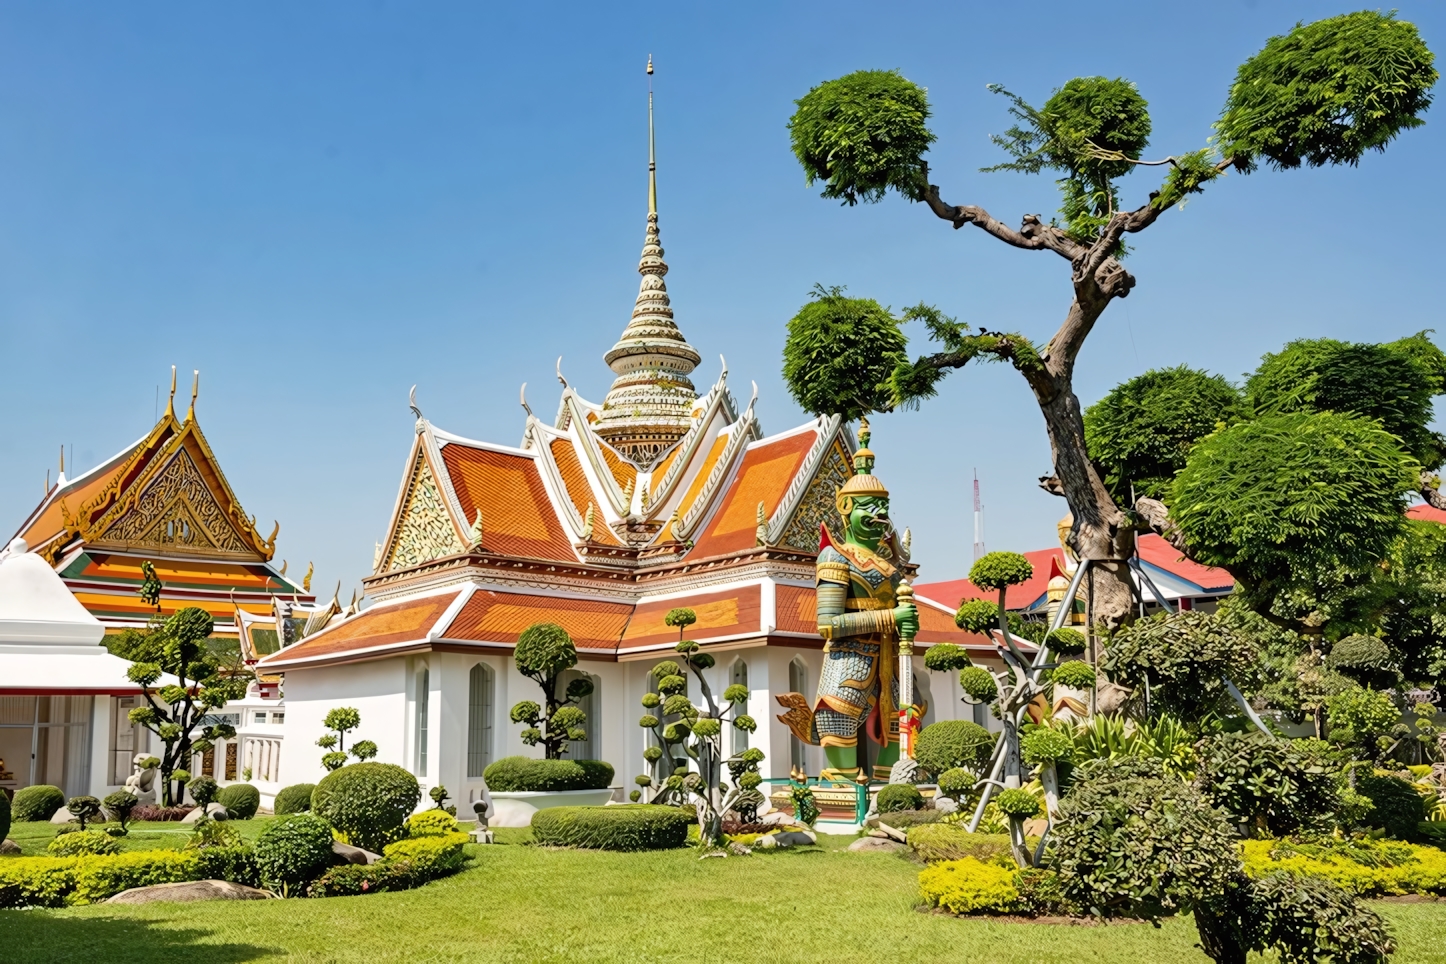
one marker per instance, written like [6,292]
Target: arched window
[591,705]
[739,675]
[423,688]
[797,683]
[480,696]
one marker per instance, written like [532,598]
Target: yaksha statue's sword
[907,721]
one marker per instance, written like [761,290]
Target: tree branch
[1156,516]
[1033,234]
[1430,485]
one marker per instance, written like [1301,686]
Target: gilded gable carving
[177,510]
[425,531]
[817,505]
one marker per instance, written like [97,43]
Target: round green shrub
[295,850]
[36,803]
[943,657]
[83,843]
[4,816]
[977,616]
[119,806]
[87,808]
[1076,674]
[241,800]
[293,799]
[1017,803]
[368,802]
[979,684]
[997,570]
[1067,642]
[431,823]
[1397,807]
[630,826]
[899,796]
[544,650]
[1043,745]
[1365,659]
[519,774]
[953,743]
[956,782]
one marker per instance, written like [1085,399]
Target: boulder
[879,844]
[190,890]
[945,804]
[353,855]
[9,848]
[65,816]
[778,817]
[215,811]
[794,838]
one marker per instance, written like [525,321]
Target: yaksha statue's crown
[863,481]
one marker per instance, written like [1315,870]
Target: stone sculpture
[141,783]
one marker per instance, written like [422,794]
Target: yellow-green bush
[431,823]
[57,881]
[430,856]
[1366,868]
[967,886]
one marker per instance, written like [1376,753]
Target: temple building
[604,518]
[163,500]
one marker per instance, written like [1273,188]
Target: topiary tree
[368,802]
[340,721]
[1185,659]
[894,797]
[174,711]
[1396,806]
[203,790]
[1363,720]
[1326,93]
[36,803]
[544,652]
[1270,787]
[241,800]
[119,805]
[1140,433]
[85,808]
[684,732]
[1365,659]
[951,744]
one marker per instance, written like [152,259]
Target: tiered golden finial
[863,481]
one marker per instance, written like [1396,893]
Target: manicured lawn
[522,903]
[171,835]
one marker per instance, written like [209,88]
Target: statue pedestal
[482,837]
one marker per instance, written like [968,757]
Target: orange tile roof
[500,617]
[401,622]
[729,613]
[623,471]
[517,517]
[797,609]
[696,486]
[937,626]
[661,468]
[764,476]
[1426,513]
[579,492]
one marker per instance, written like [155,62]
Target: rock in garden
[215,812]
[945,804]
[765,843]
[777,817]
[878,844]
[65,816]
[353,855]
[795,838]
[189,890]
[9,848]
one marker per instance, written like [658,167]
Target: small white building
[64,700]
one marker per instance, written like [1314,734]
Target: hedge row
[641,826]
[404,865]
[61,881]
[950,841]
[520,774]
[1365,868]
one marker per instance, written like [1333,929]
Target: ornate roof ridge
[717,398]
[828,430]
[740,430]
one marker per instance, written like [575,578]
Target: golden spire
[195,390]
[62,458]
[652,153]
[171,402]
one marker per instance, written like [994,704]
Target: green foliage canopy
[998,570]
[1141,432]
[1185,657]
[1270,786]
[840,354]
[1327,92]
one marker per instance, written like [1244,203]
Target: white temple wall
[376,689]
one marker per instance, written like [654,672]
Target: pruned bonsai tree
[1326,93]
[683,732]
[342,720]
[544,652]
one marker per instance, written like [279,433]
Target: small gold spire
[306,579]
[195,390]
[171,402]
[62,458]
[652,152]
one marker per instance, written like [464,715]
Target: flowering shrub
[1367,868]
[967,886]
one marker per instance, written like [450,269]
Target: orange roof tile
[764,476]
[500,617]
[517,517]
[704,470]
[623,471]
[797,609]
[937,626]
[401,622]
[579,492]
[729,613]
[661,468]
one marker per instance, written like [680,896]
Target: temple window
[591,707]
[422,693]
[481,691]
[797,683]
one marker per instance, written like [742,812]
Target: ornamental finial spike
[171,402]
[195,390]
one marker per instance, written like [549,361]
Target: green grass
[169,835]
[523,903]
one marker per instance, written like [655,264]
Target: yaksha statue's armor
[859,619]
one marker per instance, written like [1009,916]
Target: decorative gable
[424,529]
[176,510]
[817,505]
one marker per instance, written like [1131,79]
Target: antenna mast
[978,520]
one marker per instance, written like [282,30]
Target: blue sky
[318,205]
